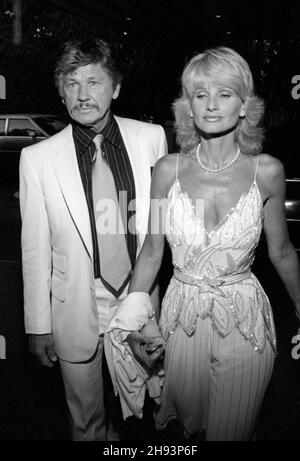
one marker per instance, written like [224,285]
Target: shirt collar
[85,135]
[111,132]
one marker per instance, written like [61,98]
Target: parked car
[22,130]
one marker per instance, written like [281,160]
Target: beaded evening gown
[216,319]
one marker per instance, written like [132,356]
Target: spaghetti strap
[177,167]
[256,168]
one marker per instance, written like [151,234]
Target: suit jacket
[57,251]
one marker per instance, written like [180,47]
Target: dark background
[154,39]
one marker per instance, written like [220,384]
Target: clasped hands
[146,349]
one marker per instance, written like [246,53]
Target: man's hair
[77,53]
[225,66]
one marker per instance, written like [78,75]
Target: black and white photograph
[149,223]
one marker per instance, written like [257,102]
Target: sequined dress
[212,288]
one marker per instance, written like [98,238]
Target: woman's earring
[191,115]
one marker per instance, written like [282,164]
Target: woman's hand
[146,349]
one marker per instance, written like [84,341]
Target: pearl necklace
[217,170]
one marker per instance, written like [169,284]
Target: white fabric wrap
[130,380]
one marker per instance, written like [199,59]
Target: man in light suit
[73,282]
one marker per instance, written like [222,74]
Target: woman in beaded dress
[216,195]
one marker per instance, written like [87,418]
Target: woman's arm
[281,251]
[149,259]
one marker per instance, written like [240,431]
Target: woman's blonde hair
[224,65]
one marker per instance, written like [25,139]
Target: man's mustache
[84,106]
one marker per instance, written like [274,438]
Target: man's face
[87,93]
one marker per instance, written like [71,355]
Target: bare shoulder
[166,164]
[164,172]
[270,167]
[270,173]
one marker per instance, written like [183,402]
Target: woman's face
[215,107]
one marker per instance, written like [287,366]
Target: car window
[2,126]
[51,125]
[22,127]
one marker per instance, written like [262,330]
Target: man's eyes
[92,83]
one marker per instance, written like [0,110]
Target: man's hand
[146,349]
[42,346]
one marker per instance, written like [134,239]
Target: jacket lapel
[137,146]
[67,172]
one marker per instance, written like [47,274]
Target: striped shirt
[116,155]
